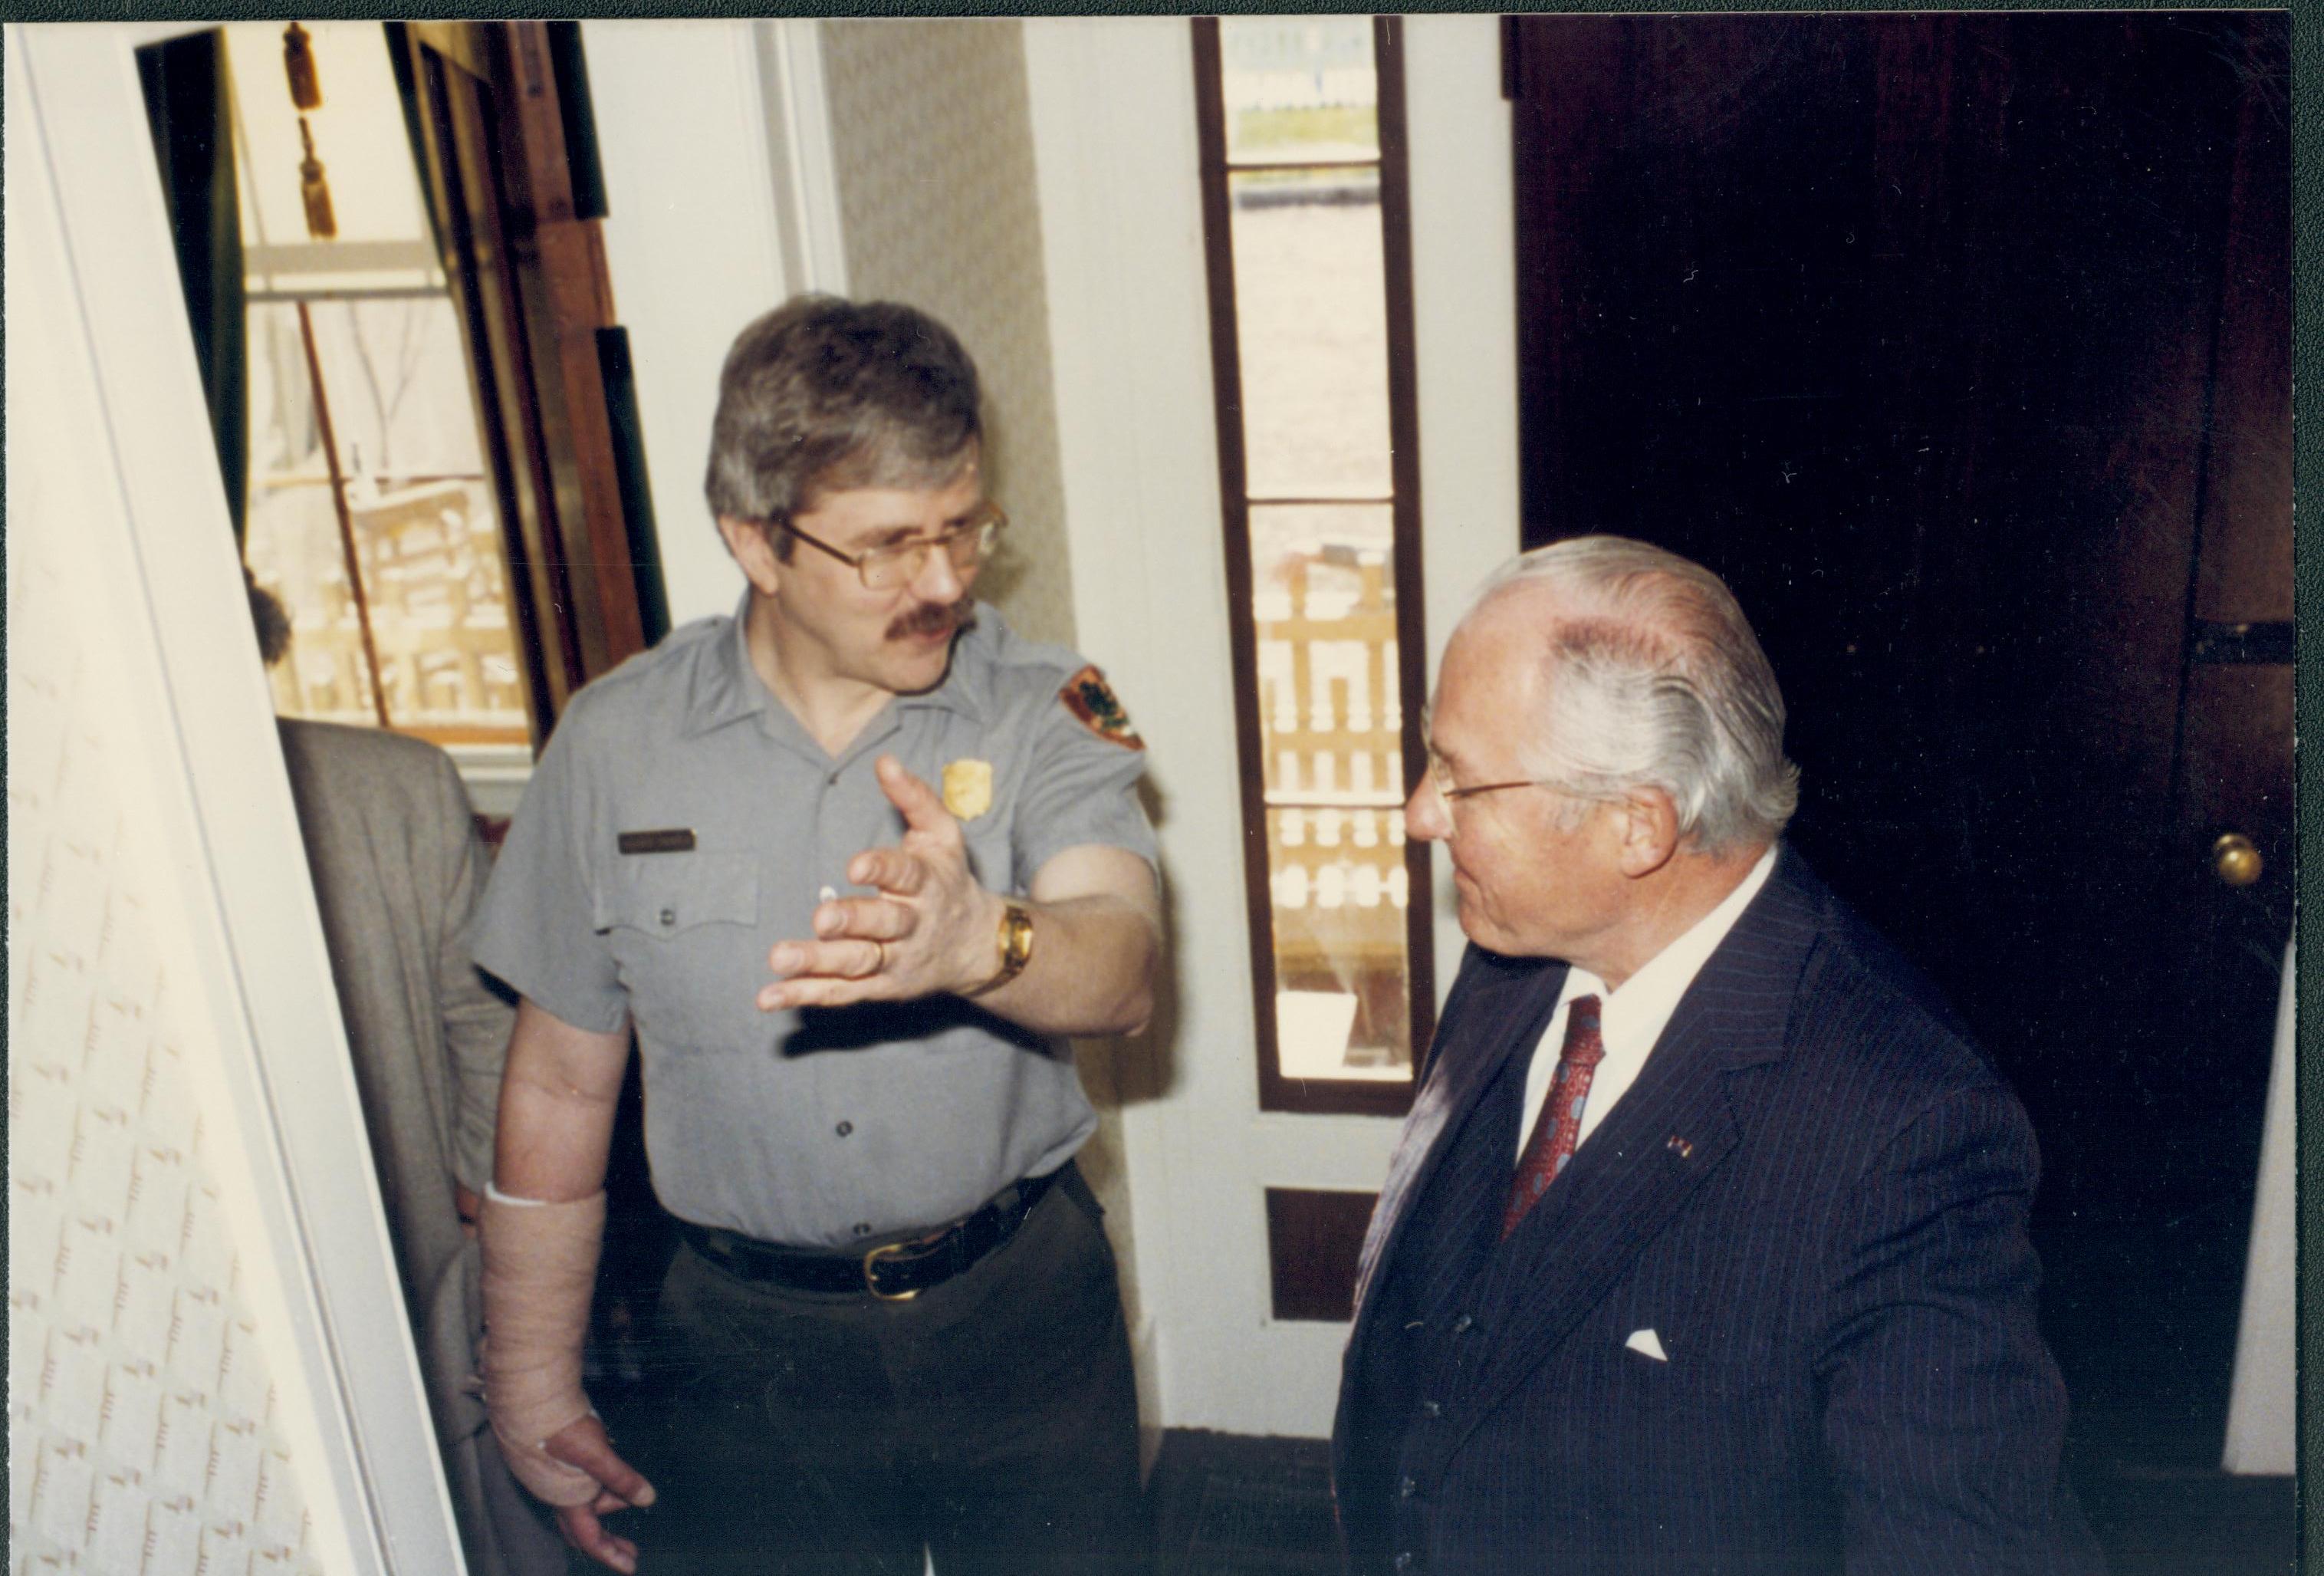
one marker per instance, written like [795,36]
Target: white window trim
[697,248]
[1113,109]
[799,155]
[494,774]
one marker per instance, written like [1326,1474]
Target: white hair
[1653,678]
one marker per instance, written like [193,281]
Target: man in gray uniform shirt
[848,862]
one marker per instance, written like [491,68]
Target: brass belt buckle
[870,1277]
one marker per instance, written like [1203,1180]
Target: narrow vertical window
[370,515]
[1306,221]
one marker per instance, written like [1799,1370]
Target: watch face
[1016,939]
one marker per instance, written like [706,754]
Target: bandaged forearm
[540,1266]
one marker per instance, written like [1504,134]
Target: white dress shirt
[1631,1019]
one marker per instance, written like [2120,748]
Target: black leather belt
[894,1272]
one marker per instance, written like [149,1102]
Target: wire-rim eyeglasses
[899,564]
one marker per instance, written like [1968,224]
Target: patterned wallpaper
[932,137]
[142,1420]
[932,132]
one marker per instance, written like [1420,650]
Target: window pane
[1323,611]
[293,533]
[1342,995]
[1311,313]
[1299,88]
[427,538]
[431,567]
[359,136]
[398,382]
[1332,730]
[1294,216]
[285,439]
[293,549]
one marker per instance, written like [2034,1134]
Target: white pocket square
[1647,1343]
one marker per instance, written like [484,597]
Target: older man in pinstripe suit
[1705,1247]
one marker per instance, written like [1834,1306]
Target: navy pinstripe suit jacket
[1814,1195]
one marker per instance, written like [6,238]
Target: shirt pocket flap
[664,894]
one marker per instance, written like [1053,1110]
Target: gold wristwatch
[1015,940]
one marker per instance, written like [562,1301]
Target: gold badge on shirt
[968,788]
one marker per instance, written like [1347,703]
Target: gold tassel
[298,65]
[321,224]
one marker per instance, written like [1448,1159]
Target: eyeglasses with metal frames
[1440,773]
[899,564]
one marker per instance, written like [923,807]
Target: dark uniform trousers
[992,1418]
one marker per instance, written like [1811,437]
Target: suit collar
[1677,1123]
[1496,1005]
[1691,1106]
[1733,1015]
[1740,1003]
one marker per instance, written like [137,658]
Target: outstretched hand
[929,928]
[583,1443]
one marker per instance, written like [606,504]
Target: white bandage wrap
[541,1267]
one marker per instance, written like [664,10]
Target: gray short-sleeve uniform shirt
[823,1127]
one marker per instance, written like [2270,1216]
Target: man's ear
[1649,831]
[752,545]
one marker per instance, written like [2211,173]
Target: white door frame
[1113,123]
[259,977]
[698,246]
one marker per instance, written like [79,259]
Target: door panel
[1958,346]
[2245,575]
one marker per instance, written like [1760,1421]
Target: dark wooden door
[523,249]
[1959,345]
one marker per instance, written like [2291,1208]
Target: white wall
[2263,1402]
[695,246]
[172,1013]
[933,146]
[1464,331]
[1114,149]
[1121,221]
[129,1197]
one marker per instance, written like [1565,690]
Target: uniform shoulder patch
[1088,696]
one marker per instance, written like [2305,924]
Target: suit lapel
[1497,1005]
[1674,1126]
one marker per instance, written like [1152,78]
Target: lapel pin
[1681,1148]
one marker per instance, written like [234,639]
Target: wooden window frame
[518,209]
[1276,1091]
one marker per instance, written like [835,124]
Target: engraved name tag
[676,840]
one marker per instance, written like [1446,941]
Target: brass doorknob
[2235,860]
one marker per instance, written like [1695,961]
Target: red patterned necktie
[1558,1128]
